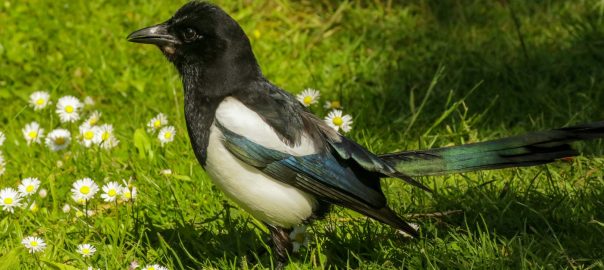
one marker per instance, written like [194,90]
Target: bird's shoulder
[280,110]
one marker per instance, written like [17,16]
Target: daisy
[33,133]
[87,134]
[66,208]
[166,134]
[94,118]
[298,237]
[308,97]
[111,191]
[29,186]
[33,207]
[103,136]
[157,122]
[68,109]
[133,265]
[86,250]
[335,120]
[2,164]
[334,104]
[42,193]
[2,138]
[33,244]
[129,191]
[39,100]
[88,101]
[9,198]
[58,139]
[154,267]
[83,190]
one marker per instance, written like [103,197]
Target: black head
[206,45]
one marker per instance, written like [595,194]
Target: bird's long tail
[525,150]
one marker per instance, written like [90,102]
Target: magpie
[281,163]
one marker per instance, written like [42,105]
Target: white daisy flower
[39,100]
[86,250]
[33,133]
[88,101]
[33,244]
[103,136]
[165,172]
[83,190]
[111,191]
[68,109]
[157,122]
[335,120]
[154,267]
[133,265]
[334,104]
[58,139]
[42,193]
[298,237]
[308,97]
[34,207]
[87,134]
[2,164]
[129,191]
[166,134]
[94,118]
[66,208]
[29,186]
[9,199]
[2,138]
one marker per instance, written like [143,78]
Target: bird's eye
[189,34]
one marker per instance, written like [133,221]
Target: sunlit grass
[414,75]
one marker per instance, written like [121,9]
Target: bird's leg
[282,246]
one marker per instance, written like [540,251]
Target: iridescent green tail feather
[524,150]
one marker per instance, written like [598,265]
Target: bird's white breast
[265,198]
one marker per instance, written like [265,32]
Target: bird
[279,162]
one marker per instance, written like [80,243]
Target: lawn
[418,74]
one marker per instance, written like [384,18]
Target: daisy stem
[37,261]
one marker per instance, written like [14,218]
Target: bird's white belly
[266,199]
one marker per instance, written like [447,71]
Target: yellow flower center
[337,121]
[60,140]
[93,121]
[33,243]
[8,201]
[335,104]
[157,124]
[79,213]
[105,136]
[34,208]
[68,109]
[40,101]
[29,188]
[168,135]
[88,135]
[127,195]
[112,193]
[85,251]
[307,100]
[257,34]
[151,268]
[32,134]
[85,190]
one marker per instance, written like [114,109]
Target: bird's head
[202,40]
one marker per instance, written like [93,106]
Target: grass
[418,74]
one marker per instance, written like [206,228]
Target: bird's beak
[157,34]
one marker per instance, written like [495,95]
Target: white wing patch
[238,118]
